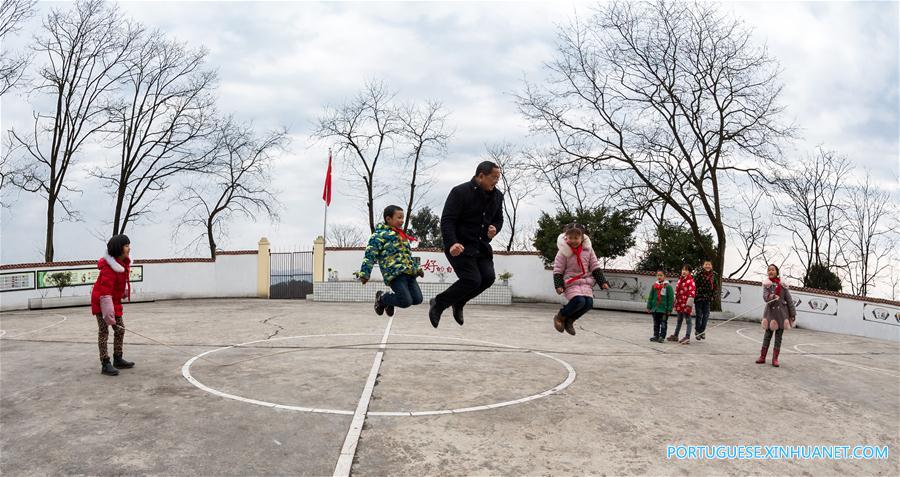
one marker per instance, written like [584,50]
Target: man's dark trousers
[476,274]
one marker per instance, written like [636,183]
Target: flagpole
[325,220]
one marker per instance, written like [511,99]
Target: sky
[282,63]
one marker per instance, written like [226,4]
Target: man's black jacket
[468,212]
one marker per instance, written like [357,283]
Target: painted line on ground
[348,451]
[570,378]
[797,350]
[64,318]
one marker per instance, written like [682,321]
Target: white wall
[228,276]
[530,280]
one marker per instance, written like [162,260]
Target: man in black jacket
[472,216]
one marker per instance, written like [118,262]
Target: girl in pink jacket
[575,272]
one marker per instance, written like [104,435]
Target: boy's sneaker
[672,338]
[655,339]
[379,306]
[389,309]
[685,340]
[703,335]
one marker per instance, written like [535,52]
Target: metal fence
[291,274]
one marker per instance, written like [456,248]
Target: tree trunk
[371,205]
[719,267]
[212,240]
[120,198]
[409,207]
[512,234]
[48,247]
[412,192]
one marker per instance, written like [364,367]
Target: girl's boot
[120,363]
[762,354]
[108,369]
[559,322]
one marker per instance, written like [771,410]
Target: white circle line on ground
[570,378]
[64,318]
[797,350]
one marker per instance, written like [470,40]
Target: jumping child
[685,291]
[106,302]
[659,304]
[575,272]
[779,314]
[707,283]
[389,248]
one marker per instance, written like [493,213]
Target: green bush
[611,231]
[821,277]
[673,246]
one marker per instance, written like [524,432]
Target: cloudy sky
[281,63]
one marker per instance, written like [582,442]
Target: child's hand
[420,273]
[363,279]
[605,286]
[560,291]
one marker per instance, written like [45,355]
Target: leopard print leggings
[103,336]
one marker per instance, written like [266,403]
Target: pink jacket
[566,263]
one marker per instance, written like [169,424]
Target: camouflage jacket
[391,252]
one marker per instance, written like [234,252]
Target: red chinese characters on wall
[432,266]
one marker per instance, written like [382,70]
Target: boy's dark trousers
[406,292]
[702,308]
[660,324]
[476,274]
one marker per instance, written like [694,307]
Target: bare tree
[809,205]
[344,235]
[518,184]
[12,66]
[869,239]
[7,170]
[525,237]
[164,113]
[85,47]
[633,196]
[424,128]
[574,185]
[675,94]
[894,280]
[363,129]
[238,185]
[752,231]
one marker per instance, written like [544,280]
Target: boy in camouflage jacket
[389,247]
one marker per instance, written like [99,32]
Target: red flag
[326,194]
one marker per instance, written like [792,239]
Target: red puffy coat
[113,280]
[684,289]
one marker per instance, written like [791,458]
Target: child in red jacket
[106,301]
[685,291]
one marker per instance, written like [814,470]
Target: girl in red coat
[685,291]
[106,301]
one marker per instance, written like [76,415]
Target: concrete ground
[630,398]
